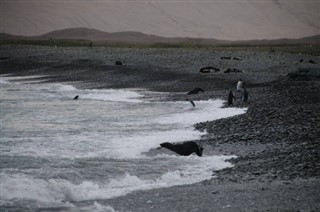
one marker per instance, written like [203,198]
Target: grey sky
[220,19]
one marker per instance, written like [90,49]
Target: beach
[276,141]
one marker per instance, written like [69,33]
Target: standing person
[231,97]
[239,85]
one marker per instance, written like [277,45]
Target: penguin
[239,85]
[231,97]
[245,95]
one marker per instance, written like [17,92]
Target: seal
[185,149]
[196,90]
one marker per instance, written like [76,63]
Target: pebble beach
[277,140]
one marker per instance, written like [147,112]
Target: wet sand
[277,141]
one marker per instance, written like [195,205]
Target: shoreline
[276,140]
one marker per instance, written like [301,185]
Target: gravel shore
[277,141]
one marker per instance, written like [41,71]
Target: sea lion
[196,90]
[191,102]
[76,97]
[185,149]
[231,97]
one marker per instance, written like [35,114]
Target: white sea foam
[112,95]
[127,139]
[95,207]
[204,111]
[24,187]
[104,125]
[5,79]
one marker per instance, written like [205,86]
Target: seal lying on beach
[185,149]
[195,91]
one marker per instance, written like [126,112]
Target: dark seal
[185,149]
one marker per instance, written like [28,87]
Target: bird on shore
[231,97]
[191,102]
[239,85]
[245,95]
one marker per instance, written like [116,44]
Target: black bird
[191,102]
[231,97]
[185,149]
[196,90]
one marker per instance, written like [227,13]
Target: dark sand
[277,141]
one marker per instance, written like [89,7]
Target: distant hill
[138,37]
[97,35]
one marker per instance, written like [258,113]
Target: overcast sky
[220,19]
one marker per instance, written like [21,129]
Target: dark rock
[118,63]
[311,61]
[232,70]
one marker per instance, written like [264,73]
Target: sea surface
[61,154]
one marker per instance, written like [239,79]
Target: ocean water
[60,154]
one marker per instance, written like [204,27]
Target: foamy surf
[22,186]
[57,151]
